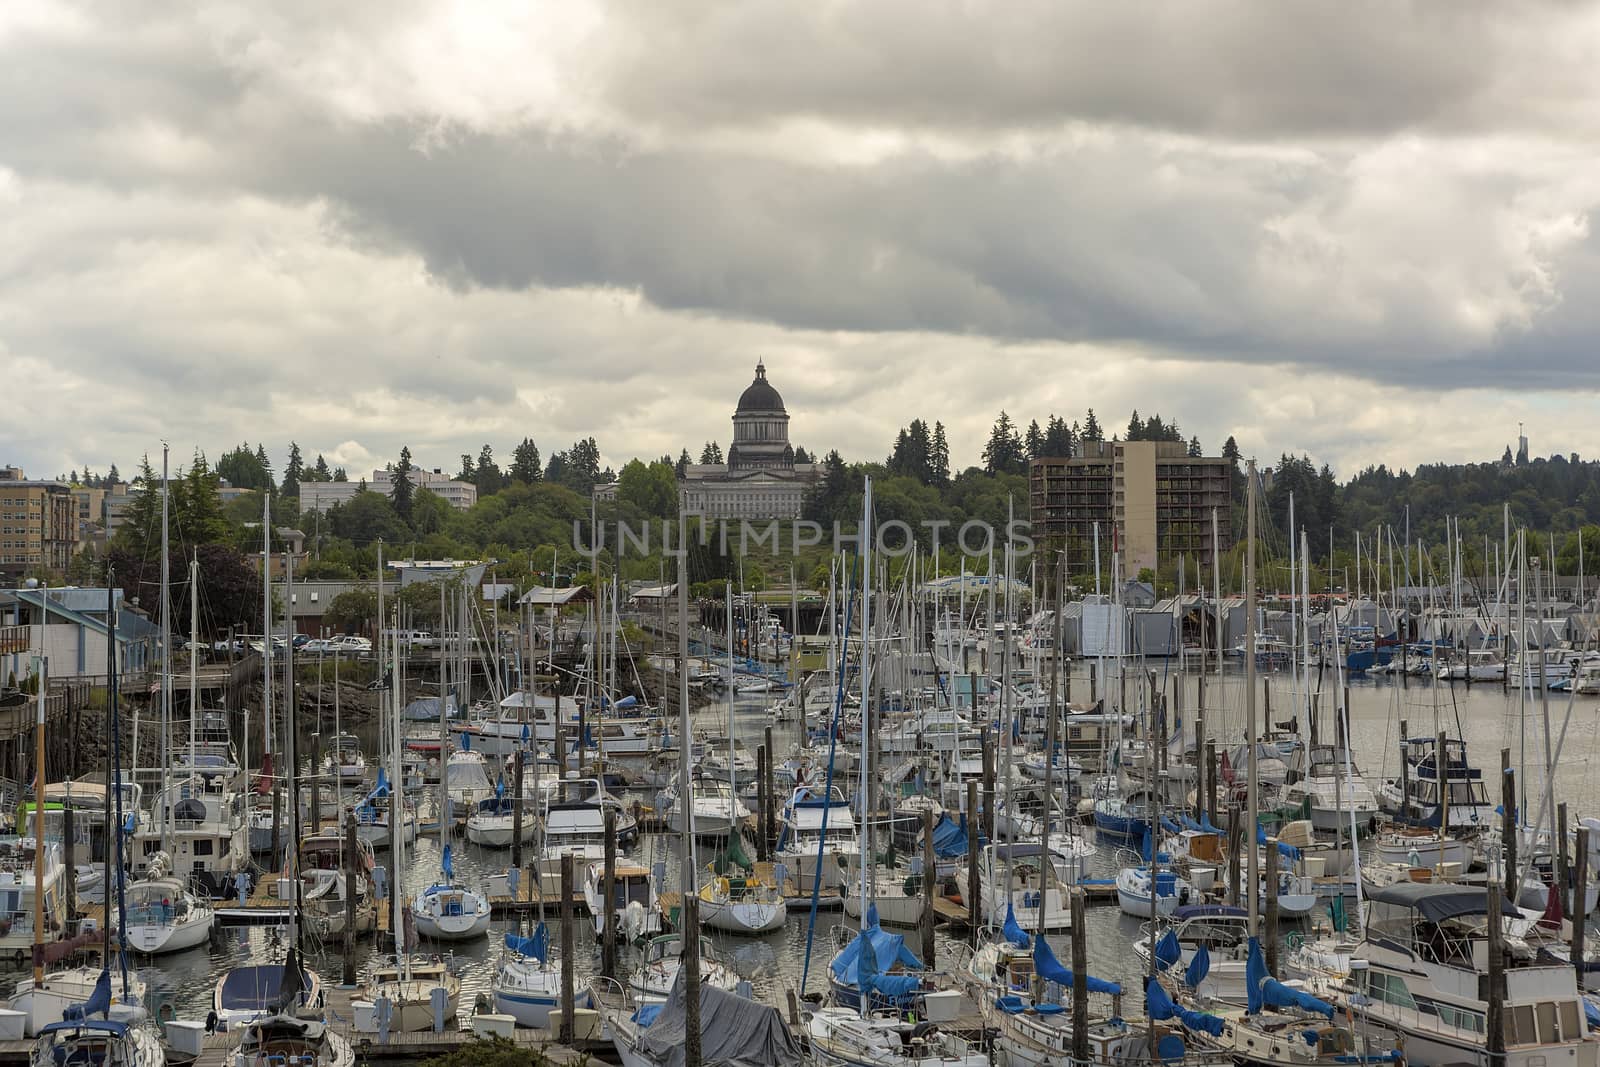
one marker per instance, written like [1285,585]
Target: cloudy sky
[1363,231]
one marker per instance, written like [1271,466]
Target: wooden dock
[408,1046]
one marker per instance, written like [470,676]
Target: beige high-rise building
[38,524]
[1152,500]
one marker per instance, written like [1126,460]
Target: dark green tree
[939,456]
[1091,428]
[1003,454]
[682,466]
[525,462]
[711,453]
[400,487]
[487,476]
[292,472]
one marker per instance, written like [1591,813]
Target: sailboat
[409,983]
[527,981]
[163,916]
[447,910]
[69,1032]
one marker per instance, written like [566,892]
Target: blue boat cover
[1199,967]
[446,865]
[99,1026]
[871,978]
[1167,950]
[535,947]
[885,946]
[99,1002]
[1263,990]
[1050,969]
[1592,1012]
[1013,930]
[950,837]
[1288,852]
[1161,1006]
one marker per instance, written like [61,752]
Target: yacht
[1330,795]
[716,811]
[325,885]
[467,781]
[285,1038]
[663,958]
[75,985]
[1420,974]
[636,907]
[494,823]
[345,762]
[101,1042]
[203,824]
[1416,797]
[742,905]
[18,889]
[162,915]
[806,847]
[1221,930]
[1478,665]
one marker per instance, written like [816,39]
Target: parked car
[318,646]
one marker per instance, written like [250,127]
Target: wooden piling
[1563,868]
[1235,834]
[691,979]
[988,788]
[973,897]
[769,798]
[69,860]
[516,809]
[927,886]
[1269,896]
[569,952]
[608,936]
[1495,1017]
[1080,977]
[1580,891]
[1508,825]
[352,871]
[1441,770]
[761,802]
[1210,798]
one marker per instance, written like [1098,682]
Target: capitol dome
[760,396]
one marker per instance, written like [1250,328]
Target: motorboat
[1420,975]
[635,906]
[663,959]
[1332,793]
[200,824]
[18,889]
[1416,797]
[713,808]
[818,835]
[345,762]
[288,1038]
[101,1042]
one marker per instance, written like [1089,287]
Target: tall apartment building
[38,524]
[1152,500]
[320,496]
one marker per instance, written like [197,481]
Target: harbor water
[1486,716]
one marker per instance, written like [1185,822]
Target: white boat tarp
[734,1031]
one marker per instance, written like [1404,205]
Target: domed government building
[761,480]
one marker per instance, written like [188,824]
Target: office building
[38,524]
[1151,499]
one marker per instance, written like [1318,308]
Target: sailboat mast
[867,768]
[194,651]
[166,664]
[444,734]
[686,873]
[1252,853]
[291,754]
[268,703]
[38,816]
[1216,588]
[396,799]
